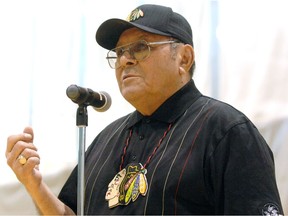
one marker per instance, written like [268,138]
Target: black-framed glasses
[139,50]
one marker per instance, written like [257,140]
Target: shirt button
[141,137]
[134,157]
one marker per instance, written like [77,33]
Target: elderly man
[178,153]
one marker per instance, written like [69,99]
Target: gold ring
[22,160]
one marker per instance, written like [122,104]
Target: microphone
[100,101]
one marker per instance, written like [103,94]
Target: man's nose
[127,59]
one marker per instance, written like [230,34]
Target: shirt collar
[172,108]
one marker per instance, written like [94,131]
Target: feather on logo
[135,14]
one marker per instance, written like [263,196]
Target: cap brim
[109,32]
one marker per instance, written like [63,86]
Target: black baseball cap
[152,18]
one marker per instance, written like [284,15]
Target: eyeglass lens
[138,50]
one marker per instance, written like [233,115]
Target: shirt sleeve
[243,174]
[68,194]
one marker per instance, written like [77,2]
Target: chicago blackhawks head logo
[127,185]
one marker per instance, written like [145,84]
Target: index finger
[13,139]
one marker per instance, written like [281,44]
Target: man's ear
[188,58]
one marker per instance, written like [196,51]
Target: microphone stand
[84,97]
[82,123]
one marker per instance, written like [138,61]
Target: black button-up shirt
[212,161]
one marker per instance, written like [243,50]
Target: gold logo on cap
[135,14]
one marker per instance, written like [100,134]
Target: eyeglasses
[139,50]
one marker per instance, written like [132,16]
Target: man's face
[113,187]
[154,79]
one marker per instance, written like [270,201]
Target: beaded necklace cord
[151,155]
